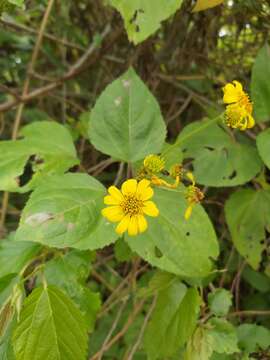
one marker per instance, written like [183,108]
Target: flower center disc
[131,205]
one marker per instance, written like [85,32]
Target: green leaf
[247,214]
[7,284]
[171,155]
[122,251]
[223,336]
[65,211]
[218,159]
[47,148]
[263,145]
[15,255]
[257,280]
[200,346]
[143,18]
[260,87]
[126,122]
[160,281]
[220,302]
[6,349]
[217,335]
[50,327]
[253,337]
[174,244]
[70,272]
[19,3]
[173,320]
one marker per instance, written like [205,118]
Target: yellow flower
[130,205]
[193,196]
[239,108]
[153,164]
[237,117]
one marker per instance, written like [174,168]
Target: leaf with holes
[173,320]
[217,158]
[46,148]
[248,216]
[260,87]
[65,211]
[126,122]
[50,327]
[173,244]
[143,18]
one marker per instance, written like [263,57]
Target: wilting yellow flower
[239,108]
[193,196]
[130,205]
[153,164]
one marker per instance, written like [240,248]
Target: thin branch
[250,313]
[122,332]
[22,28]
[24,93]
[145,322]
[113,327]
[70,74]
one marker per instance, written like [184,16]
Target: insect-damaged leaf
[66,211]
[217,158]
[46,148]
[174,244]
[143,18]
[248,216]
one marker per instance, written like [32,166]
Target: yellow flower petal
[111,200]
[129,187]
[144,191]
[123,225]
[231,94]
[150,209]
[250,122]
[116,193]
[133,227]
[188,212]
[142,223]
[238,85]
[113,213]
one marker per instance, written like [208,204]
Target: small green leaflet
[260,87]
[173,244]
[65,211]
[253,337]
[143,18]
[173,320]
[217,335]
[50,327]
[218,160]
[46,148]
[220,302]
[248,216]
[126,121]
